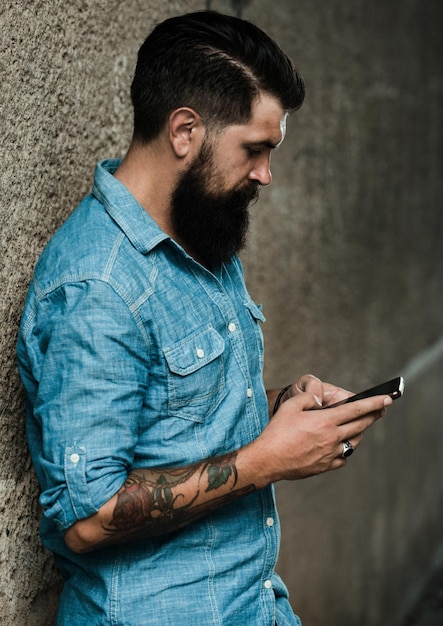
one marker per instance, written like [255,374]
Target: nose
[261,171]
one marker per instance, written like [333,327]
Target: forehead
[267,124]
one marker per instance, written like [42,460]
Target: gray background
[345,255]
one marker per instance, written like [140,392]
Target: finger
[303,401]
[362,411]
[338,462]
[310,384]
[348,446]
[333,394]
[353,429]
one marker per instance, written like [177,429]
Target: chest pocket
[196,377]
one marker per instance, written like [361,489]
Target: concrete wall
[344,254]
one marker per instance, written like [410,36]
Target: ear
[186,131]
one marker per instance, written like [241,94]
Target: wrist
[255,465]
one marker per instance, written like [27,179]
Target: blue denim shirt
[133,355]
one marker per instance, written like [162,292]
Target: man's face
[210,205]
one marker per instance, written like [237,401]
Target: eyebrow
[266,143]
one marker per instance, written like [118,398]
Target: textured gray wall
[344,254]
[66,70]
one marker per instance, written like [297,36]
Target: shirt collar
[142,231]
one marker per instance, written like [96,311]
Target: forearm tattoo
[153,502]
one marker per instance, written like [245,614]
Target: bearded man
[153,438]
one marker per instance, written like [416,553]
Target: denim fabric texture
[133,355]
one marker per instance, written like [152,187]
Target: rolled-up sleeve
[84,362]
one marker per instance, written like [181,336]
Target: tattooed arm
[298,441]
[157,501]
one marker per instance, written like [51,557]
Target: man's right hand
[302,439]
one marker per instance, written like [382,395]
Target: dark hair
[215,64]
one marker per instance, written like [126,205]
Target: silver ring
[348,449]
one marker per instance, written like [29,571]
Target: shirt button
[200,353]
[249,392]
[232,327]
[270,521]
[268,584]
[74,458]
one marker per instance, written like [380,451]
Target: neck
[146,171]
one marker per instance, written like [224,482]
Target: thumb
[306,401]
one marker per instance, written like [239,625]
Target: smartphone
[393,388]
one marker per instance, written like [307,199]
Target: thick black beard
[211,226]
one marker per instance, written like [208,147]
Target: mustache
[248,194]
[254,190]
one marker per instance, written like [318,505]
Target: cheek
[232,171]
[232,178]
[241,169]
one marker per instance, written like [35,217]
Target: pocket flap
[193,352]
[255,310]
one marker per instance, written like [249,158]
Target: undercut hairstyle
[216,65]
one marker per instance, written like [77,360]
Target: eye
[252,152]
